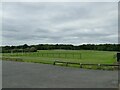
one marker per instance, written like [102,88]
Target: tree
[25,46]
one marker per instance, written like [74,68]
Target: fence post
[80,55]
[73,55]
[59,55]
[54,63]
[53,55]
[66,63]
[65,55]
[80,65]
[99,66]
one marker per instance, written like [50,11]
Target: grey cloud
[74,23]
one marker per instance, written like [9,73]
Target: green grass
[82,56]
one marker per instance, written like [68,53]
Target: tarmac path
[33,75]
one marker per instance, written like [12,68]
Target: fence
[52,55]
[85,64]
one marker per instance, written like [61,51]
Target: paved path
[31,75]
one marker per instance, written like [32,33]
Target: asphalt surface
[31,75]
[0,74]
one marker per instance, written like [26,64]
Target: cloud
[67,23]
[59,1]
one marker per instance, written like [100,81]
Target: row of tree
[8,49]
[34,48]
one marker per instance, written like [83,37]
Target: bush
[33,49]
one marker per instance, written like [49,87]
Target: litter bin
[118,57]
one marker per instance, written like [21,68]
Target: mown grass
[81,56]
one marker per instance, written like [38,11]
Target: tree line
[34,48]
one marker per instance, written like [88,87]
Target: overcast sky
[62,23]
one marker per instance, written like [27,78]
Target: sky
[59,23]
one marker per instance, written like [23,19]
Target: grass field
[82,56]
